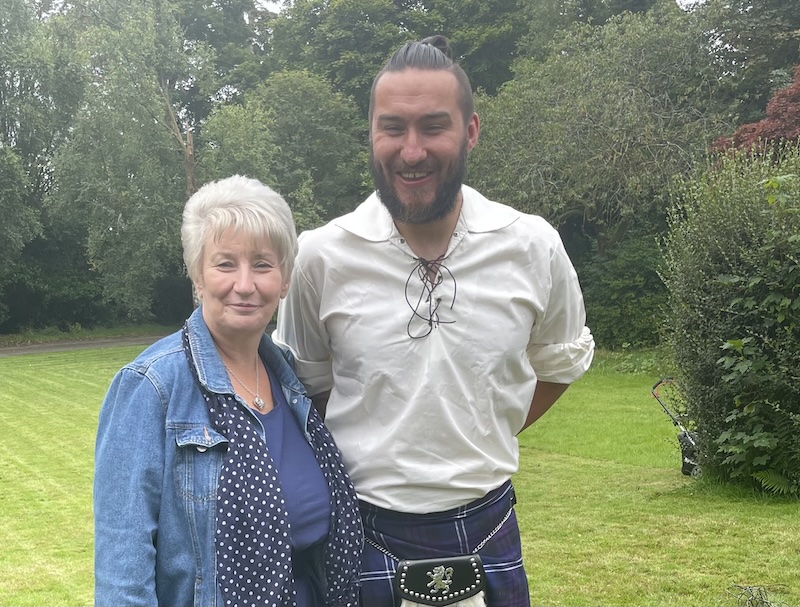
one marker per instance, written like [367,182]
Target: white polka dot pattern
[252,540]
[253,548]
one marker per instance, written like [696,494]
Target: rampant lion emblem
[441,578]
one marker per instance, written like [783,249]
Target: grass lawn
[606,516]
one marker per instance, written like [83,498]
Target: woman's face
[240,284]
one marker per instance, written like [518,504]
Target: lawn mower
[665,390]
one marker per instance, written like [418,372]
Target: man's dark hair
[432,53]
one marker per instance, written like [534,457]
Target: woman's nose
[245,282]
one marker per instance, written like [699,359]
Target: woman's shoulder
[162,355]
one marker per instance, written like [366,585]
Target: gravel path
[64,346]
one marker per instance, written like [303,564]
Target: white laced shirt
[427,396]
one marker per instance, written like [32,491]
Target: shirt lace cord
[424,269]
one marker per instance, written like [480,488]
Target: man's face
[419,144]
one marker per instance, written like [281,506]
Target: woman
[215,479]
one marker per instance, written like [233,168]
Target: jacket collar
[210,369]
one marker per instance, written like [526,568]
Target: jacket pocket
[200,452]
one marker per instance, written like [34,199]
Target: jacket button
[202,449]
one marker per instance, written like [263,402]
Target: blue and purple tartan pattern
[453,532]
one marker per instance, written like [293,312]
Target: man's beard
[443,203]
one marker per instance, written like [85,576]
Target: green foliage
[238,138]
[321,137]
[125,173]
[547,19]
[595,156]
[40,87]
[345,41]
[52,286]
[596,132]
[624,294]
[758,45]
[297,135]
[732,269]
[20,222]
[238,31]
[609,100]
[484,35]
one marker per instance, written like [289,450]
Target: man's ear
[473,131]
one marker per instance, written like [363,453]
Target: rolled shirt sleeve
[561,346]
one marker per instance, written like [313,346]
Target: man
[433,326]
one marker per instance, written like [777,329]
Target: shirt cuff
[563,363]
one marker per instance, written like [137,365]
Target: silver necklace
[257,400]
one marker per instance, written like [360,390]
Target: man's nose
[413,151]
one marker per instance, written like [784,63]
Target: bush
[731,267]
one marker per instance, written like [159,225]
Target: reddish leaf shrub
[782,123]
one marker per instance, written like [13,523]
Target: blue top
[304,489]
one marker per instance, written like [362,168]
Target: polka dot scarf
[252,539]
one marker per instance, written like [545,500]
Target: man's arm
[544,396]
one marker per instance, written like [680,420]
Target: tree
[19,222]
[757,43]
[296,134]
[546,20]
[595,133]
[129,165]
[41,87]
[159,69]
[239,33]
[591,138]
[345,41]
[321,136]
[483,33]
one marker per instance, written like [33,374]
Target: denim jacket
[157,463]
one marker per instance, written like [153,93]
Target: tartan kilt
[450,533]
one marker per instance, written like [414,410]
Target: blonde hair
[248,207]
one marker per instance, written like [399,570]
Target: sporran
[456,581]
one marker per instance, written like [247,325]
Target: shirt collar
[371,221]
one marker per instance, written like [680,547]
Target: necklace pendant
[259,402]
